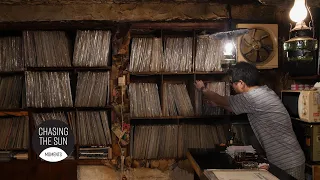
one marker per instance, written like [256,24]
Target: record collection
[173,141]
[11,88]
[92,48]
[204,107]
[92,89]
[48,89]
[146,55]
[46,49]
[14,133]
[93,128]
[144,100]
[176,100]
[11,54]
[209,54]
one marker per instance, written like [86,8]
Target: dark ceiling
[286,3]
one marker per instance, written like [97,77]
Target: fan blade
[246,42]
[248,53]
[264,54]
[264,36]
[253,34]
[258,57]
[252,56]
[267,48]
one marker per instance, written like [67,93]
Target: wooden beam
[64,2]
[289,3]
[113,12]
[219,25]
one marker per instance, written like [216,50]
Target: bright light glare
[228,48]
[299,11]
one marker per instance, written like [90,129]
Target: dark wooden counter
[34,170]
[202,159]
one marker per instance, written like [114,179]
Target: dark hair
[246,72]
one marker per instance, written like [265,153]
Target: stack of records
[5,156]
[95,153]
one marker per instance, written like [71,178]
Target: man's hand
[199,84]
[210,103]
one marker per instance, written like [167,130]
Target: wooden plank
[316,172]
[218,25]
[315,77]
[92,162]
[17,113]
[183,117]
[26,170]
[194,164]
[178,73]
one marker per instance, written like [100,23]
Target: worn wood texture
[113,12]
[61,2]
[25,170]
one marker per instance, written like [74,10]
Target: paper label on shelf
[117,131]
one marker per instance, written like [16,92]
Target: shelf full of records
[6,156]
[51,86]
[41,71]
[173,141]
[175,54]
[54,49]
[91,130]
[53,89]
[207,109]
[176,100]
[14,143]
[14,133]
[98,152]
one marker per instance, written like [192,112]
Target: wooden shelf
[12,72]
[49,68]
[217,25]
[299,120]
[177,73]
[157,159]
[232,116]
[82,161]
[181,117]
[70,108]
[107,68]
[158,73]
[33,109]
[25,111]
[91,161]
[221,119]
[315,77]
[94,146]
[14,149]
[13,112]
[93,108]
[212,72]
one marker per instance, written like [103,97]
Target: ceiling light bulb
[228,48]
[299,11]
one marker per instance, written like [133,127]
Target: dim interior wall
[25,12]
[147,11]
[112,12]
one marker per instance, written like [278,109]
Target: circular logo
[53,140]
